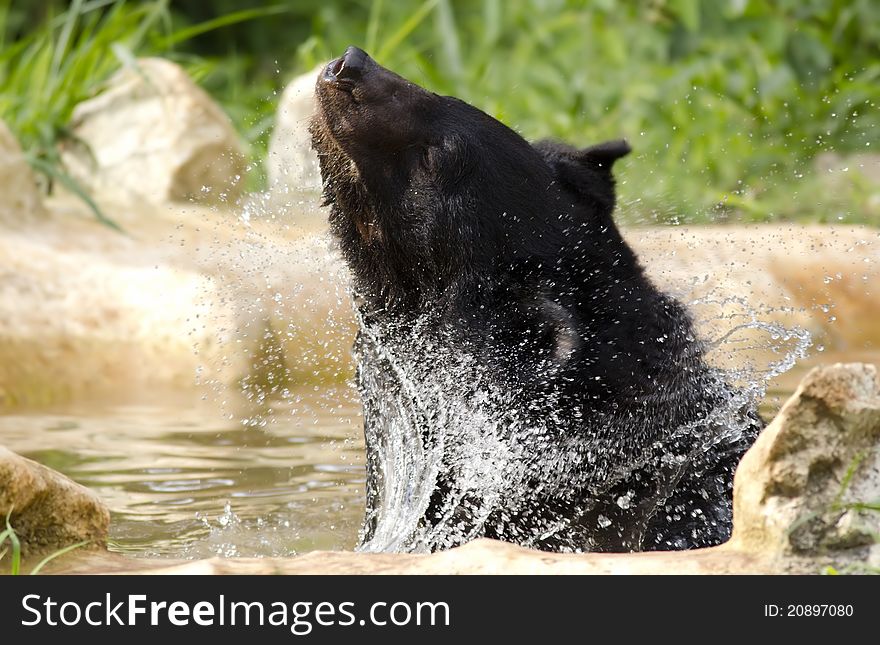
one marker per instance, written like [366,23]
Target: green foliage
[14,546]
[47,70]
[726,102]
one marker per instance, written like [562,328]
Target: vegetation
[727,104]
[14,549]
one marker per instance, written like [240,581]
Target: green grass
[726,104]
[68,58]
[14,546]
[838,506]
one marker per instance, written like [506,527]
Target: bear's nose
[349,67]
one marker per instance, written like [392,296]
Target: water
[194,482]
[455,457]
[182,482]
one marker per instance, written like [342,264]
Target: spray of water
[451,456]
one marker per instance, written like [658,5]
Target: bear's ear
[586,172]
[603,155]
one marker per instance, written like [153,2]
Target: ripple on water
[183,483]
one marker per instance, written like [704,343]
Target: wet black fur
[511,249]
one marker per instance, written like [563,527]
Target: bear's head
[427,191]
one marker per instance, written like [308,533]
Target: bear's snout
[348,68]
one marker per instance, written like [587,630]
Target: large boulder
[21,201]
[197,296]
[154,136]
[755,290]
[48,510]
[191,302]
[865,165]
[811,483]
[292,165]
[856,176]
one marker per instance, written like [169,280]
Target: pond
[184,482]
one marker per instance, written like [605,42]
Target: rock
[190,303]
[154,136]
[747,284]
[292,164]
[802,488]
[482,556]
[854,175]
[194,299]
[49,511]
[21,201]
[865,164]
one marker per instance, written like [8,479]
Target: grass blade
[406,28]
[222,21]
[71,16]
[52,171]
[57,554]
[373,25]
[9,534]
[448,33]
[864,506]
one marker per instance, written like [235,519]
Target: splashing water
[436,422]
[231,536]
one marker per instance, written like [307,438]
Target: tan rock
[195,296]
[482,556]
[747,284]
[21,201]
[49,511]
[292,165]
[866,165]
[154,136]
[802,487]
[189,303]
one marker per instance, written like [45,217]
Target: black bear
[522,379]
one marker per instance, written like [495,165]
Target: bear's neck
[390,273]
